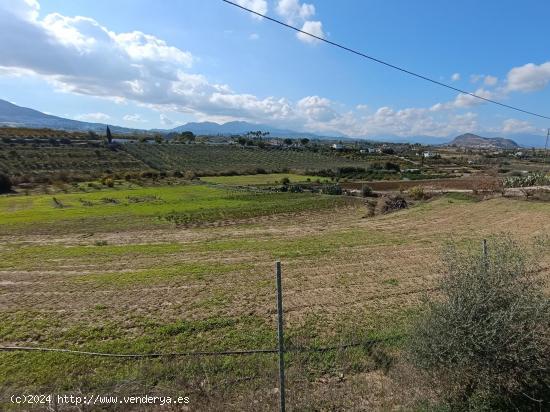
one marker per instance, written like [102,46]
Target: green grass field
[262,179]
[117,209]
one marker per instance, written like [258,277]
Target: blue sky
[148,64]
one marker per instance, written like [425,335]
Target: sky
[158,64]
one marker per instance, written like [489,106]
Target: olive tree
[485,339]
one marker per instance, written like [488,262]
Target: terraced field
[82,160]
[84,281]
[208,159]
[89,160]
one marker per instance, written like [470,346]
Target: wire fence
[281,350]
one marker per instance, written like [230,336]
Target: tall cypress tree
[109,136]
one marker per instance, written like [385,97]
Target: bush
[417,193]
[190,175]
[531,179]
[332,190]
[107,181]
[388,204]
[392,166]
[366,191]
[486,339]
[5,183]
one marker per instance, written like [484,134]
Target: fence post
[280,337]
[485,257]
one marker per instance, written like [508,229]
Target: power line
[401,69]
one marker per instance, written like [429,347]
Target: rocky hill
[474,141]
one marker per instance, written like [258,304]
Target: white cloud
[165,120]
[529,78]
[490,80]
[134,118]
[312,27]
[79,55]
[317,108]
[466,100]
[254,36]
[455,77]
[293,11]
[93,117]
[517,126]
[297,13]
[259,6]
[463,100]
[474,78]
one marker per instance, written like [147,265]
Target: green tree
[108,135]
[304,141]
[187,137]
[5,183]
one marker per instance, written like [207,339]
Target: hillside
[474,141]
[18,116]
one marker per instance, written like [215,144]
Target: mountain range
[17,116]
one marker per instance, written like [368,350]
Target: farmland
[209,160]
[263,179]
[147,208]
[106,270]
[85,160]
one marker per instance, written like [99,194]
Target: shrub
[371,208]
[190,175]
[285,181]
[366,191]
[486,339]
[5,183]
[392,166]
[107,181]
[531,179]
[332,190]
[417,193]
[391,203]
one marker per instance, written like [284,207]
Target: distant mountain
[474,141]
[240,127]
[17,116]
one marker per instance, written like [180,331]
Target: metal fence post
[280,337]
[485,256]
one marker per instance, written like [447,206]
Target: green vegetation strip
[127,208]
[188,271]
[263,179]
